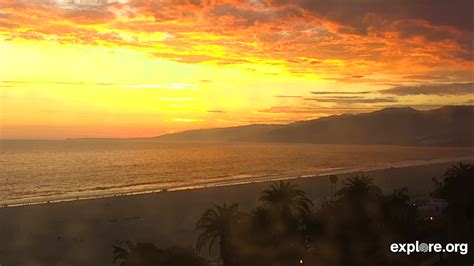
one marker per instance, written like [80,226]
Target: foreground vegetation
[355,227]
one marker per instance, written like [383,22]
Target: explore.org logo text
[417,247]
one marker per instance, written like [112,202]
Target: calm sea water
[34,171]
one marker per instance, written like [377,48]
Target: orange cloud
[236,54]
[305,37]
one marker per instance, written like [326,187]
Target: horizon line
[243,125]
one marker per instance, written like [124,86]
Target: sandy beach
[82,232]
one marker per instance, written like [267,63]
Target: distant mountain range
[446,126]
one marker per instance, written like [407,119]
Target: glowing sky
[92,68]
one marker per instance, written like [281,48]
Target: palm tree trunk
[226,252]
[332,191]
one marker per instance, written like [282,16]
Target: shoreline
[236,182]
[84,231]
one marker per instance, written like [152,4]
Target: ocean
[42,171]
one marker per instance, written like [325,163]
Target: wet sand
[82,232]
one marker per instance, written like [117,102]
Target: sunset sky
[138,68]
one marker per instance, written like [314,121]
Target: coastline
[245,179]
[83,231]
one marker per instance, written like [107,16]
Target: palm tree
[140,254]
[121,254]
[217,222]
[333,179]
[457,185]
[457,189]
[286,199]
[350,225]
[399,214]
[359,187]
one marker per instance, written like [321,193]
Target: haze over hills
[248,133]
[446,126]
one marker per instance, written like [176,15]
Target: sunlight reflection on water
[39,170]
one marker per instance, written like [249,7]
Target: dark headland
[446,126]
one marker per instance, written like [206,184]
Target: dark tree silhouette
[399,215]
[178,256]
[348,230]
[286,199]
[147,254]
[276,228]
[218,223]
[140,254]
[358,188]
[457,189]
[333,179]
